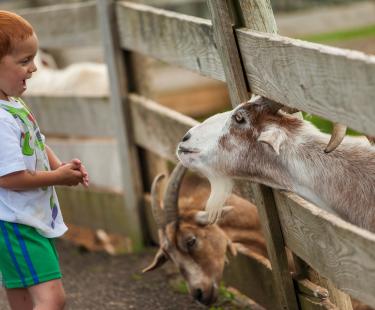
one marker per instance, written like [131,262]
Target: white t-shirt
[22,148]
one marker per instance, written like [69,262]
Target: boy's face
[17,67]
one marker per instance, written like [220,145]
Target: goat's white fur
[87,79]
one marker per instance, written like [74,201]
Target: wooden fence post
[258,15]
[236,81]
[119,90]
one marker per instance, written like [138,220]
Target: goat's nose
[186,137]
[198,294]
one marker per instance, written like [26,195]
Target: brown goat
[196,248]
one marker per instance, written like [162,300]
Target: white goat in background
[257,141]
[85,79]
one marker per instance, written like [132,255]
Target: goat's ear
[201,217]
[159,260]
[273,136]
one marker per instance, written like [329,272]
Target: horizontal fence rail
[175,38]
[73,116]
[338,250]
[65,25]
[333,83]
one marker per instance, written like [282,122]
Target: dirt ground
[98,281]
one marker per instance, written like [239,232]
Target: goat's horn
[338,134]
[273,106]
[171,193]
[157,211]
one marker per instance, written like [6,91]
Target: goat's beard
[221,188]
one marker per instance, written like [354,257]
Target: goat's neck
[342,181]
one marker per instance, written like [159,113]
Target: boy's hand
[85,177]
[70,174]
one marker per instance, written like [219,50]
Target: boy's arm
[68,174]
[54,161]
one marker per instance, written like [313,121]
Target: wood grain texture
[156,128]
[64,25]
[73,116]
[330,82]
[178,39]
[95,208]
[258,15]
[227,48]
[284,289]
[339,251]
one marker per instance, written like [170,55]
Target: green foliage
[325,125]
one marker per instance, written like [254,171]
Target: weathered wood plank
[171,37]
[119,86]
[73,116]
[330,82]
[258,15]
[100,157]
[156,128]
[64,25]
[94,208]
[342,252]
[227,48]
[252,276]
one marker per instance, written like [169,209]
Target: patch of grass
[136,276]
[363,32]
[180,286]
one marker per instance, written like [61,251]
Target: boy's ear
[273,136]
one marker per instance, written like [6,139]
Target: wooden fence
[330,82]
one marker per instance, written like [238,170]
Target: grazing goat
[196,248]
[199,249]
[78,79]
[257,141]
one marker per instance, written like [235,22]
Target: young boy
[30,216]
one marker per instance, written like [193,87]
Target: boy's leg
[19,298]
[48,295]
[29,261]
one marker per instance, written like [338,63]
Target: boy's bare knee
[49,295]
[51,302]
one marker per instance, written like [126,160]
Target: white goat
[257,141]
[86,79]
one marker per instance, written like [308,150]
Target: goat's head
[238,142]
[196,248]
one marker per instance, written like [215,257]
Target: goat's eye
[239,118]
[191,242]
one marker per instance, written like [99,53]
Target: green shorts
[26,257]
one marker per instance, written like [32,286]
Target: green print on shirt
[28,124]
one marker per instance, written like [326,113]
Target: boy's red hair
[13,28]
